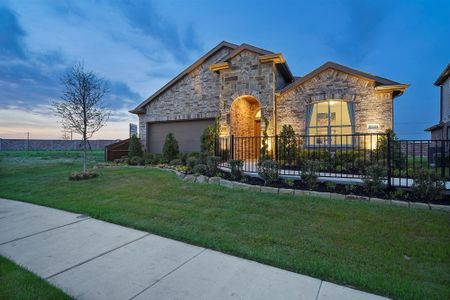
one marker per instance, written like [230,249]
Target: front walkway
[92,259]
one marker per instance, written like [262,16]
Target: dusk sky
[140,45]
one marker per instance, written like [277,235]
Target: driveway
[92,259]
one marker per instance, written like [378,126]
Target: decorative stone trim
[302,193]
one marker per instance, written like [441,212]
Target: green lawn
[18,283]
[392,251]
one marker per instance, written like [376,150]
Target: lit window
[330,122]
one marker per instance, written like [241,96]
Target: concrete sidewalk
[91,259]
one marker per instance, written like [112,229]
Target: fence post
[232,146]
[389,163]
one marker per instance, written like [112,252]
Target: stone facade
[196,96]
[246,76]
[234,83]
[370,106]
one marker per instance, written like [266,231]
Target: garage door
[187,133]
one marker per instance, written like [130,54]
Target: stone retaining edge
[284,191]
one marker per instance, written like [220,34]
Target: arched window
[328,122]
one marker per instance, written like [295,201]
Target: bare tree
[81,108]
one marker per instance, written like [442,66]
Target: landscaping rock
[214,180]
[356,197]
[337,196]
[189,178]
[240,185]
[266,189]
[440,207]
[419,205]
[226,183]
[179,174]
[380,201]
[301,193]
[286,191]
[400,203]
[255,188]
[202,179]
[319,194]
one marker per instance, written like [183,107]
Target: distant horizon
[138,46]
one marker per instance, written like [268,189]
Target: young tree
[81,108]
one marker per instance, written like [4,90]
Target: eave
[276,58]
[219,66]
[397,89]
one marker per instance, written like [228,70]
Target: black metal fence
[342,156]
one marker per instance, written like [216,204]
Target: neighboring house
[442,129]
[243,85]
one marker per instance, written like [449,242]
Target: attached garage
[187,133]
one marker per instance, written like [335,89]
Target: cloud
[11,35]
[143,16]
[363,21]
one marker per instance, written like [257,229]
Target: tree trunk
[84,153]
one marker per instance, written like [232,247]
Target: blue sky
[140,45]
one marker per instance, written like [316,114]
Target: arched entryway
[245,121]
[245,117]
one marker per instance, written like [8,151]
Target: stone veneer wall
[196,96]
[371,107]
[246,76]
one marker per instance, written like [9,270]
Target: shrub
[309,173]
[289,182]
[82,175]
[176,162]
[268,170]
[170,148]
[192,161]
[373,178]
[427,185]
[200,169]
[236,169]
[183,156]
[208,138]
[136,161]
[135,147]
[287,145]
[331,186]
[306,156]
[211,163]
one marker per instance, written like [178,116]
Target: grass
[391,251]
[18,283]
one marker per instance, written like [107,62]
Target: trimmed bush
[208,138]
[170,149]
[75,176]
[136,161]
[236,169]
[287,145]
[200,169]
[135,147]
[211,163]
[373,179]
[309,173]
[268,170]
[427,185]
[192,161]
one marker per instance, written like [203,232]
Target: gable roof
[283,67]
[247,47]
[140,108]
[379,81]
[443,77]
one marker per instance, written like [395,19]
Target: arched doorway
[245,126]
[245,117]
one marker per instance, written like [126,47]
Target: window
[327,122]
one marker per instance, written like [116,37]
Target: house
[441,131]
[245,87]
